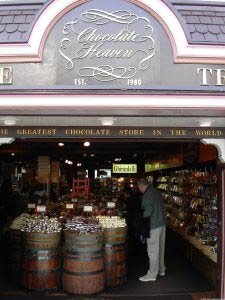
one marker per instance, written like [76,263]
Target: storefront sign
[207,73]
[109,45]
[114,132]
[121,168]
[105,46]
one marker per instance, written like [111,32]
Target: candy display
[82,225]
[191,203]
[42,224]
[20,221]
[111,222]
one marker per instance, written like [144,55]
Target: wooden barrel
[41,241]
[41,263]
[83,242]
[115,265]
[115,236]
[16,253]
[83,267]
[115,256]
[83,273]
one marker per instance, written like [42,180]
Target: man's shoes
[162,274]
[146,278]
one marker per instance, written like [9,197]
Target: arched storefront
[154,67]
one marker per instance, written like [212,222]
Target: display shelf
[206,250]
[201,258]
[191,205]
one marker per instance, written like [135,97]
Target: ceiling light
[13,154]
[79,164]
[92,155]
[9,121]
[107,121]
[205,122]
[6,140]
[87,144]
[117,159]
[61,144]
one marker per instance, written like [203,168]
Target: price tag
[111,204]
[41,208]
[69,206]
[74,200]
[88,208]
[114,199]
[31,205]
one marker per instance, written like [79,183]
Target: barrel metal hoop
[41,251]
[83,273]
[81,253]
[41,271]
[108,245]
[80,258]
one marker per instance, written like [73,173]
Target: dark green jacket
[153,207]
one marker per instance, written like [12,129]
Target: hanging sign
[122,168]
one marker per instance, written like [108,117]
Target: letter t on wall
[204,75]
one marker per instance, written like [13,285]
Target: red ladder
[81,187]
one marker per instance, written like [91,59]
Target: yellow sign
[120,168]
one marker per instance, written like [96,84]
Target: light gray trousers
[156,251]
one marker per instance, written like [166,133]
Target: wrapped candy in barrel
[83,267]
[115,236]
[16,245]
[41,261]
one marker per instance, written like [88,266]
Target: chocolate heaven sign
[108,46]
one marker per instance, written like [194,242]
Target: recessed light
[205,122]
[13,154]
[61,144]
[9,121]
[107,121]
[87,144]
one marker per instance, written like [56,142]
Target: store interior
[184,171]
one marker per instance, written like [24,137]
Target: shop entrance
[186,173]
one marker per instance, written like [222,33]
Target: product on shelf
[82,225]
[191,203]
[20,221]
[111,222]
[42,224]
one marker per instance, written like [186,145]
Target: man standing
[153,208]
